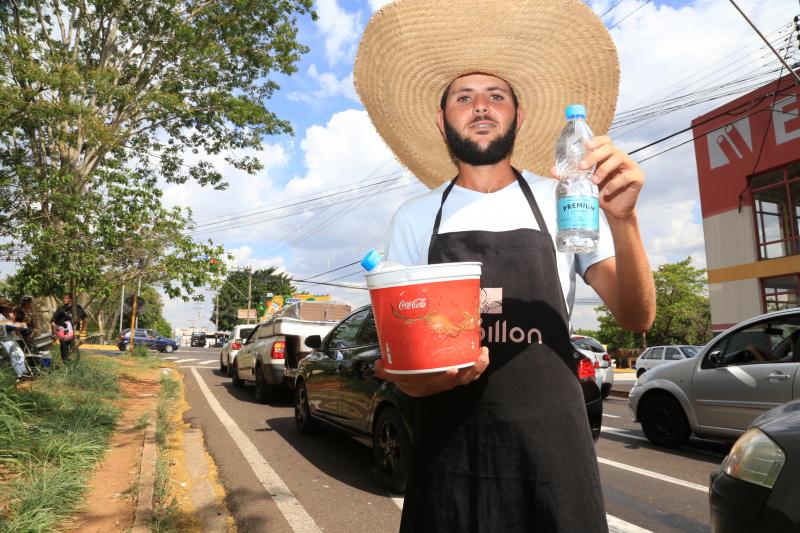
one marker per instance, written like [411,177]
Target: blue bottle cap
[575,111]
[371,260]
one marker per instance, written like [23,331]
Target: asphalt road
[325,482]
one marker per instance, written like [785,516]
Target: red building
[748,167]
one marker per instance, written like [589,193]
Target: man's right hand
[419,385]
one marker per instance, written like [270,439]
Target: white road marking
[170,358]
[654,475]
[185,360]
[611,416]
[298,518]
[615,525]
[622,433]
[628,434]
[618,525]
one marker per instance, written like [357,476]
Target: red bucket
[427,317]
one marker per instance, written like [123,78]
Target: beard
[469,152]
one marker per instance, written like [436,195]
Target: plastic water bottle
[373,262]
[576,196]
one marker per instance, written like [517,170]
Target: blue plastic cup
[46,362]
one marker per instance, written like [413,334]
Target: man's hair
[446,93]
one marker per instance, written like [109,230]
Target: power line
[610,9]
[628,15]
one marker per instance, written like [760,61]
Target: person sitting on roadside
[24,312]
[10,331]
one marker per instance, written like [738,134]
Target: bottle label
[578,212]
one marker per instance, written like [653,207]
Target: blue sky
[666,49]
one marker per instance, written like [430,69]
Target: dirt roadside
[111,498]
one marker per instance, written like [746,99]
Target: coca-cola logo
[416,303]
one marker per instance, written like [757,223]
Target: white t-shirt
[504,210]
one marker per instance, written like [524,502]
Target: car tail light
[606,357]
[596,363]
[585,369]
[278,350]
[236,346]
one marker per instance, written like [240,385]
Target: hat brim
[552,52]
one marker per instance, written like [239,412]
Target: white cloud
[341,29]
[329,86]
[377,4]
[245,191]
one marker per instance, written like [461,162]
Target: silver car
[232,346]
[658,355]
[747,370]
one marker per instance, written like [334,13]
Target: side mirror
[314,342]
[715,358]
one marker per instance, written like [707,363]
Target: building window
[776,196]
[781,292]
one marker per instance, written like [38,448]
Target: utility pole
[133,323]
[249,292]
[121,307]
[782,60]
[216,314]
[138,293]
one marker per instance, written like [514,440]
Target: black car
[757,487]
[148,338]
[198,339]
[336,385]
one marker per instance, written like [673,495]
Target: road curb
[144,499]
[619,393]
[208,509]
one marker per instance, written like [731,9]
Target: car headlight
[755,458]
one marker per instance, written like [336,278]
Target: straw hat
[552,52]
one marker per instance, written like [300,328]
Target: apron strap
[441,205]
[526,190]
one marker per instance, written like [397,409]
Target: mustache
[483,118]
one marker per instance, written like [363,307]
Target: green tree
[151,318]
[232,295]
[683,312]
[99,102]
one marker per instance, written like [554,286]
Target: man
[64,327]
[504,445]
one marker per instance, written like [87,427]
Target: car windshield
[690,351]
[589,344]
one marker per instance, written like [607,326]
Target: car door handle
[778,376]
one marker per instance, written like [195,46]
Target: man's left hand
[618,177]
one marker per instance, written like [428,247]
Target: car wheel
[168,348]
[605,390]
[302,412]
[640,372]
[237,381]
[262,390]
[223,369]
[391,451]
[664,422]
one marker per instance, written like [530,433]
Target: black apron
[511,452]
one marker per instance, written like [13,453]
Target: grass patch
[141,423]
[166,515]
[51,436]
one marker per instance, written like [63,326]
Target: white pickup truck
[277,344]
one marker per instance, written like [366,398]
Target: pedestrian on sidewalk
[467,94]
[63,325]
[10,330]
